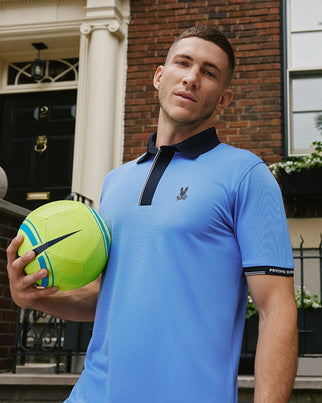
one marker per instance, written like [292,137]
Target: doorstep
[244,381]
[38,379]
[301,382]
[39,368]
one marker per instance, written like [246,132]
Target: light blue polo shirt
[188,223]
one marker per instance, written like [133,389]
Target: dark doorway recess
[36,146]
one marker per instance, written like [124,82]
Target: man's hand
[23,289]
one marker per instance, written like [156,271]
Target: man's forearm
[276,357]
[76,305]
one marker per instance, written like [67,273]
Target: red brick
[253,28]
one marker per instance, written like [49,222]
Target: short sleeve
[261,225]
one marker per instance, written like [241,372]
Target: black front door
[36,146]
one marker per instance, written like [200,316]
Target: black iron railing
[309,319]
[37,335]
[41,338]
[78,197]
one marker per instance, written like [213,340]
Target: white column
[98,125]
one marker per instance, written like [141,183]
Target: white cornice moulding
[10,3]
[104,12]
[56,28]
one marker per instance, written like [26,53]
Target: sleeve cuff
[269,270]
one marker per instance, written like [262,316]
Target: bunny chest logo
[183,193]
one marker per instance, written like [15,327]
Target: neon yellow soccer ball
[70,240]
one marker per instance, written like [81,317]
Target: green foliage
[309,301]
[296,164]
[251,308]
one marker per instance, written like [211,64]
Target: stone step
[39,368]
[310,366]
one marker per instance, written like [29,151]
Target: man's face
[193,83]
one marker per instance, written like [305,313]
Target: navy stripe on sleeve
[270,270]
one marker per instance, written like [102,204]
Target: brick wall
[10,219]
[253,120]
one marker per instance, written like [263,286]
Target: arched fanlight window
[55,71]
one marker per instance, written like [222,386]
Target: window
[56,71]
[304,74]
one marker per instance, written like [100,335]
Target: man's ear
[225,99]
[157,77]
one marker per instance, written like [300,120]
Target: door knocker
[41,144]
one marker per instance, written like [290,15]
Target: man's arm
[76,305]
[277,347]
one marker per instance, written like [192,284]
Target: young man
[193,222]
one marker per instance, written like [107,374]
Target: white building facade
[93,34]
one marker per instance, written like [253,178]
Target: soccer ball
[70,240]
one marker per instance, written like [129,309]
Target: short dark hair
[213,35]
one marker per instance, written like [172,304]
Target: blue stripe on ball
[36,233]
[42,264]
[31,232]
[103,231]
[28,231]
[50,269]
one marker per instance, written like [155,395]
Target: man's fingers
[12,259]
[31,279]
[27,292]
[13,248]
[15,267]
[26,258]
[23,288]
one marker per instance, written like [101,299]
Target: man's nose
[191,79]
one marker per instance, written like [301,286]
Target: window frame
[288,75]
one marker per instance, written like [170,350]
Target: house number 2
[43,111]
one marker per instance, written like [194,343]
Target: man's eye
[210,74]
[182,63]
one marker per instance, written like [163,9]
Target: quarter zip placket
[159,165]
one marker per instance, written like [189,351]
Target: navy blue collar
[191,148]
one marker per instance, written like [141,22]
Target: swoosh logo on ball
[41,248]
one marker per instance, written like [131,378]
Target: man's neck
[169,133]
